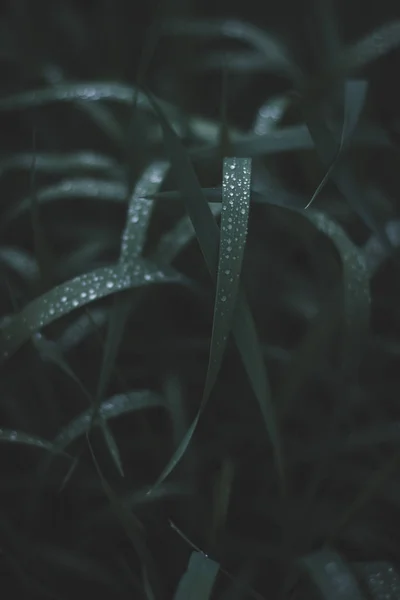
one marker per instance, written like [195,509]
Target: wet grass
[199,334]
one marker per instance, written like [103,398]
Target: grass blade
[198,581]
[355,96]
[274,53]
[18,437]
[373,46]
[109,409]
[332,577]
[342,176]
[92,189]
[353,297]
[76,293]
[208,235]
[133,239]
[60,163]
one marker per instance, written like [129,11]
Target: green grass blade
[288,139]
[375,252]
[275,55]
[198,581]
[18,437]
[326,148]
[92,189]
[332,577]
[76,293]
[352,297]
[356,291]
[133,239]
[109,409]
[91,91]
[83,326]
[20,262]
[355,96]
[235,210]
[270,114]
[59,164]
[375,45]
[140,210]
[235,214]
[208,235]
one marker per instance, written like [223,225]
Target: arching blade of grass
[355,96]
[93,189]
[18,437]
[20,262]
[353,295]
[342,176]
[90,91]
[198,581]
[208,235]
[139,212]
[375,252]
[76,293]
[133,239]
[61,163]
[269,114]
[109,409]
[84,325]
[248,61]
[373,46]
[356,291]
[332,577]
[275,54]
[289,139]
[235,210]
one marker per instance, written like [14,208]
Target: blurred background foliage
[242,79]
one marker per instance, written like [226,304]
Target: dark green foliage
[199,338]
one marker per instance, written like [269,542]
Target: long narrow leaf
[76,293]
[207,233]
[198,581]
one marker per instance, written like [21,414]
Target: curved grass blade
[326,148]
[235,211]
[89,92]
[78,292]
[86,324]
[275,54]
[373,46]
[208,235]
[140,210]
[21,262]
[109,409]
[60,163]
[270,114]
[133,239]
[355,96]
[289,139]
[93,189]
[198,581]
[375,252]
[356,290]
[18,437]
[249,61]
[332,576]
[353,296]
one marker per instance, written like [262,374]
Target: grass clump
[198,334]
